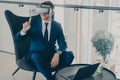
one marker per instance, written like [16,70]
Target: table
[72,69]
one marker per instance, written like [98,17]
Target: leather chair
[21,49]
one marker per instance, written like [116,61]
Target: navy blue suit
[41,52]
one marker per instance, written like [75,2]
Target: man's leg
[42,64]
[66,59]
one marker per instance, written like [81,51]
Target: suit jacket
[37,41]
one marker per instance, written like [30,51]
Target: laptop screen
[86,72]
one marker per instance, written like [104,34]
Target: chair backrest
[15,23]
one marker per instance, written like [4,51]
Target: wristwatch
[60,52]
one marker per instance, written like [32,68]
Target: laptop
[85,72]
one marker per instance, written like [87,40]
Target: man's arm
[61,41]
[62,47]
[22,34]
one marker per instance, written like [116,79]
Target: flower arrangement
[103,41]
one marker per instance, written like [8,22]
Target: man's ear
[52,13]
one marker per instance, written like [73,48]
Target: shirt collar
[46,22]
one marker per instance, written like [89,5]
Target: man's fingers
[54,64]
[29,20]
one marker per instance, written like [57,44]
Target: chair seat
[26,64]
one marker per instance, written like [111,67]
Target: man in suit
[45,32]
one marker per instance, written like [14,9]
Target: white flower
[103,41]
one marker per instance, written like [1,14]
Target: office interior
[79,26]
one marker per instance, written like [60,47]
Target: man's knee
[68,56]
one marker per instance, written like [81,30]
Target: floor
[7,67]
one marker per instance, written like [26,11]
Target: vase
[100,68]
[103,64]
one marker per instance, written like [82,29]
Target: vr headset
[41,10]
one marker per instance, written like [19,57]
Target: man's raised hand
[26,25]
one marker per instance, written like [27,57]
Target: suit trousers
[42,62]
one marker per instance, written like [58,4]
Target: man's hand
[26,26]
[55,60]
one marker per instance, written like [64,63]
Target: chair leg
[34,74]
[15,71]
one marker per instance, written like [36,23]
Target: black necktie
[46,33]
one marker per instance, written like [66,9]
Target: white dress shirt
[48,28]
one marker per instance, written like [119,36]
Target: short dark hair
[48,3]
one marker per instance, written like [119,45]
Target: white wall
[70,27]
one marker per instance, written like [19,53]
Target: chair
[15,23]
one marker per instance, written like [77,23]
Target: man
[45,32]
